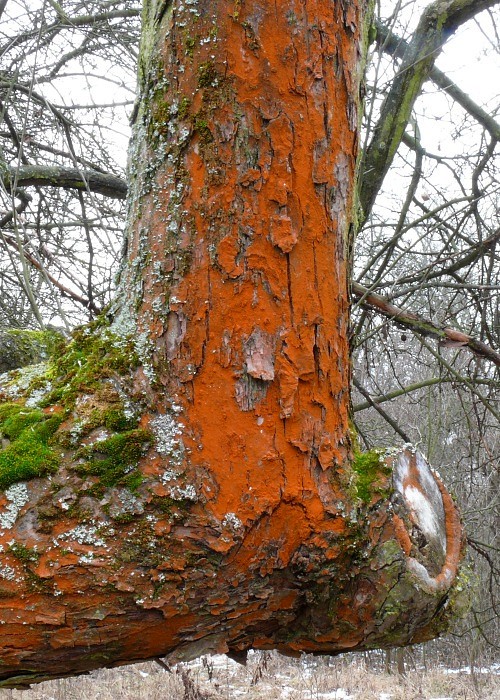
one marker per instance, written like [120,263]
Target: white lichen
[184,493]
[167,430]
[232,521]
[83,534]
[7,573]
[17,495]
[169,475]
[13,388]
[37,395]
[87,558]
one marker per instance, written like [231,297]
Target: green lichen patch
[115,459]
[370,468]
[28,452]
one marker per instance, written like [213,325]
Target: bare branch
[423,326]
[67,178]
[437,24]
[396,46]
[381,411]
[409,389]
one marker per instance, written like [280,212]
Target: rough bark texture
[196,488]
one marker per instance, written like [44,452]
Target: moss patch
[82,381]
[19,348]
[115,460]
[28,453]
[207,75]
[93,355]
[369,468]
[27,555]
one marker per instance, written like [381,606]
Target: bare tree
[67,80]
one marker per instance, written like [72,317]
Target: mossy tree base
[109,554]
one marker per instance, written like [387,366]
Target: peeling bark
[201,493]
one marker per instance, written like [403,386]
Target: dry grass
[267,676]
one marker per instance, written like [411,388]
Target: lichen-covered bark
[203,494]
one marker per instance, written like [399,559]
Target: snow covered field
[269,676]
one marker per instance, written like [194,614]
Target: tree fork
[196,488]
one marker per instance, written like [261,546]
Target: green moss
[27,555]
[93,355]
[18,421]
[23,347]
[124,518]
[207,75]
[369,467]
[35,583]
[164,504]
[158,119]
[190,44]
[88,367]
[184,106]
[200,125]
[29,454]
[114,460]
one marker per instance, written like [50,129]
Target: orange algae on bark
[255,276]
[245,530]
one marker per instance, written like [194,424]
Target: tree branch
[396,46]
[422,326]
[65,291]
[438,22]
[427,274]
[67,178]
[409,389]
[381,411]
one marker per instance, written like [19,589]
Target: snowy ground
[269,676]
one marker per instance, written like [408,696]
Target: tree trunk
[195,488]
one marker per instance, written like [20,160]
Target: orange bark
[247,530]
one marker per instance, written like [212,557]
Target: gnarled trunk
[196,487]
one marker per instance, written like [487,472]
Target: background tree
[382,261]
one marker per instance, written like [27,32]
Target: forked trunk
[206,498]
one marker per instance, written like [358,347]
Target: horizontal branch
[409,389]
[418,324]
[66,22]
[67,178]
[471,256]
[65,291]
